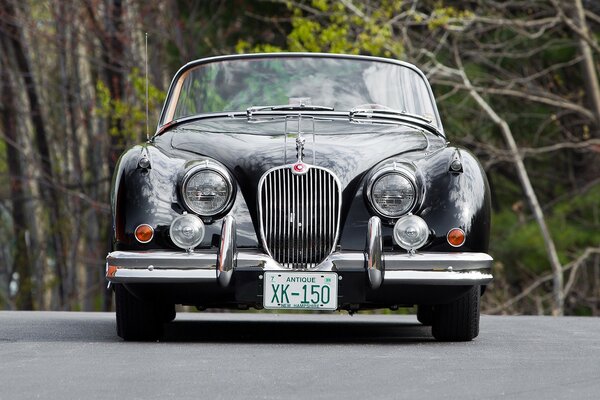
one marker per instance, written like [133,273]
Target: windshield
[344,84]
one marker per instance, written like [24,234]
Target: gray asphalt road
[245,356]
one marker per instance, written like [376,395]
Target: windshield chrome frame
[176,82]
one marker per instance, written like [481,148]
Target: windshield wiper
[385,112]
[358,114]
[287,107]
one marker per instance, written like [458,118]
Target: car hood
[249,149]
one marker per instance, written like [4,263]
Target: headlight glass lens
[411,232]
[207,192]
[393,195]
[187,231]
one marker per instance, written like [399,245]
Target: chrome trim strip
[347,261]
[126,275]
[227,250]
[439,277]
[162,259]
[420,268]
[138,275]
[201,259]
[317,115]
[437,261]
[374,253]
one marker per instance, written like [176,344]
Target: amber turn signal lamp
[456,237]
[144,233]
[111,271]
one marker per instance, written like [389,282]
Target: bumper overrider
[381,268]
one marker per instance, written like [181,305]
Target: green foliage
[215,27]
[203,95]
[517,244]
[574,224]
[128,116]
[243,46]
[448,17]
[339,30]
[562,52]
[509,55]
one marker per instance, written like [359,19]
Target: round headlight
[411,232]
[392,193]
[187,231]
[207,190]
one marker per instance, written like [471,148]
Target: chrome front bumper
[210,266]
[421,268]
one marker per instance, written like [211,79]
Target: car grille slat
[299,215]
[320,197]
[310,206]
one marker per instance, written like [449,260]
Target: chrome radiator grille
[299,215]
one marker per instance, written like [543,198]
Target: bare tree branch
[527,187]
[548,277]
[546,98]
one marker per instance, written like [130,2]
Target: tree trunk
[21,261]
[557,274]
[113,54]
[47,181]
[589,66]
[66,38]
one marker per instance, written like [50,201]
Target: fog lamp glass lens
[187,231]
[411,232]
[207,192]
[393,195]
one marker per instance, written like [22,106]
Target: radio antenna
[146,54]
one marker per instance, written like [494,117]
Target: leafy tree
[501,72]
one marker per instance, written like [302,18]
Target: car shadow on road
[296,332]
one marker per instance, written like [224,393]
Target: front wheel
[137,319]
[458,321]
[425,314]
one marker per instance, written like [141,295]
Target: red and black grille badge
[300,168]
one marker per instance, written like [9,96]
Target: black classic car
[299,181]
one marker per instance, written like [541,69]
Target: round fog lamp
[411,232]
[187,231]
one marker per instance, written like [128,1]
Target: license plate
[300,290]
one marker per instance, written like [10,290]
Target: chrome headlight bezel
[404,172]
[213,167]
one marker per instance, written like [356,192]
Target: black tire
[425,314]
[137,320]
[458,321]
[168,312]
